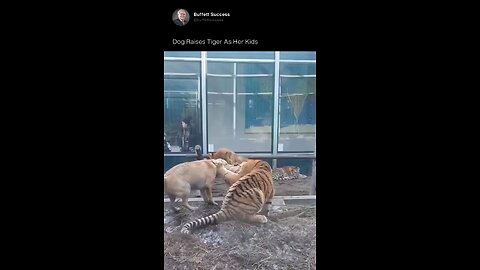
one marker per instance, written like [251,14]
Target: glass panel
[298,55]
[220,85]
[242,55]
[220,68]
[246,124]
[170,162]
[182,102]
[297,108]
[181,54]
[260,68]
[298,69]
[182,67]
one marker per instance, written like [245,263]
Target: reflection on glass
[240,106]
[181,103]
[181,67]
[182,54]
[297,107]
[298,55]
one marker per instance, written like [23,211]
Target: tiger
[287,173]
[247,200]
[234,168]
[232,173]
[228,155]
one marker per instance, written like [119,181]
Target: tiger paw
[263,219]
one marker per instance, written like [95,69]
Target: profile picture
[180,17]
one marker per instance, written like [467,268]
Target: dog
[194,175]
[228,155]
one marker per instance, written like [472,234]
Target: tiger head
[253,164]
[219,162]
[292,170]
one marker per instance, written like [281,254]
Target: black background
[283,29]
[90,124]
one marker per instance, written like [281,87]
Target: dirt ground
[286,241]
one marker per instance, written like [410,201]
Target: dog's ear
[209,156]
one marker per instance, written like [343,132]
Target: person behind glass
[166,144]
[181,20]
[186,136]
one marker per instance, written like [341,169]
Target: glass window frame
[278,91]
[204,59]
[197,76]
[235,94]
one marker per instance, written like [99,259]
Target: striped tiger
[247,200]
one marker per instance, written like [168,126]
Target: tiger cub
[232,173]
[287,173]
[228,155]
[234,168]
[247,200]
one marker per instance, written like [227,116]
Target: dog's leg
[185,203]
[203,191]
[208,190]
[172,203]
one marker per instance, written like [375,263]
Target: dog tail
[198,152]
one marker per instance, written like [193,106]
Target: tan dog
[228,155]
[187,176]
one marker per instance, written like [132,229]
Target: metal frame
[203,91]
[241,60]
[252,155]
[298,198]
[298,61]
[234,101]
[182,58]
[276,107]
[313,187]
